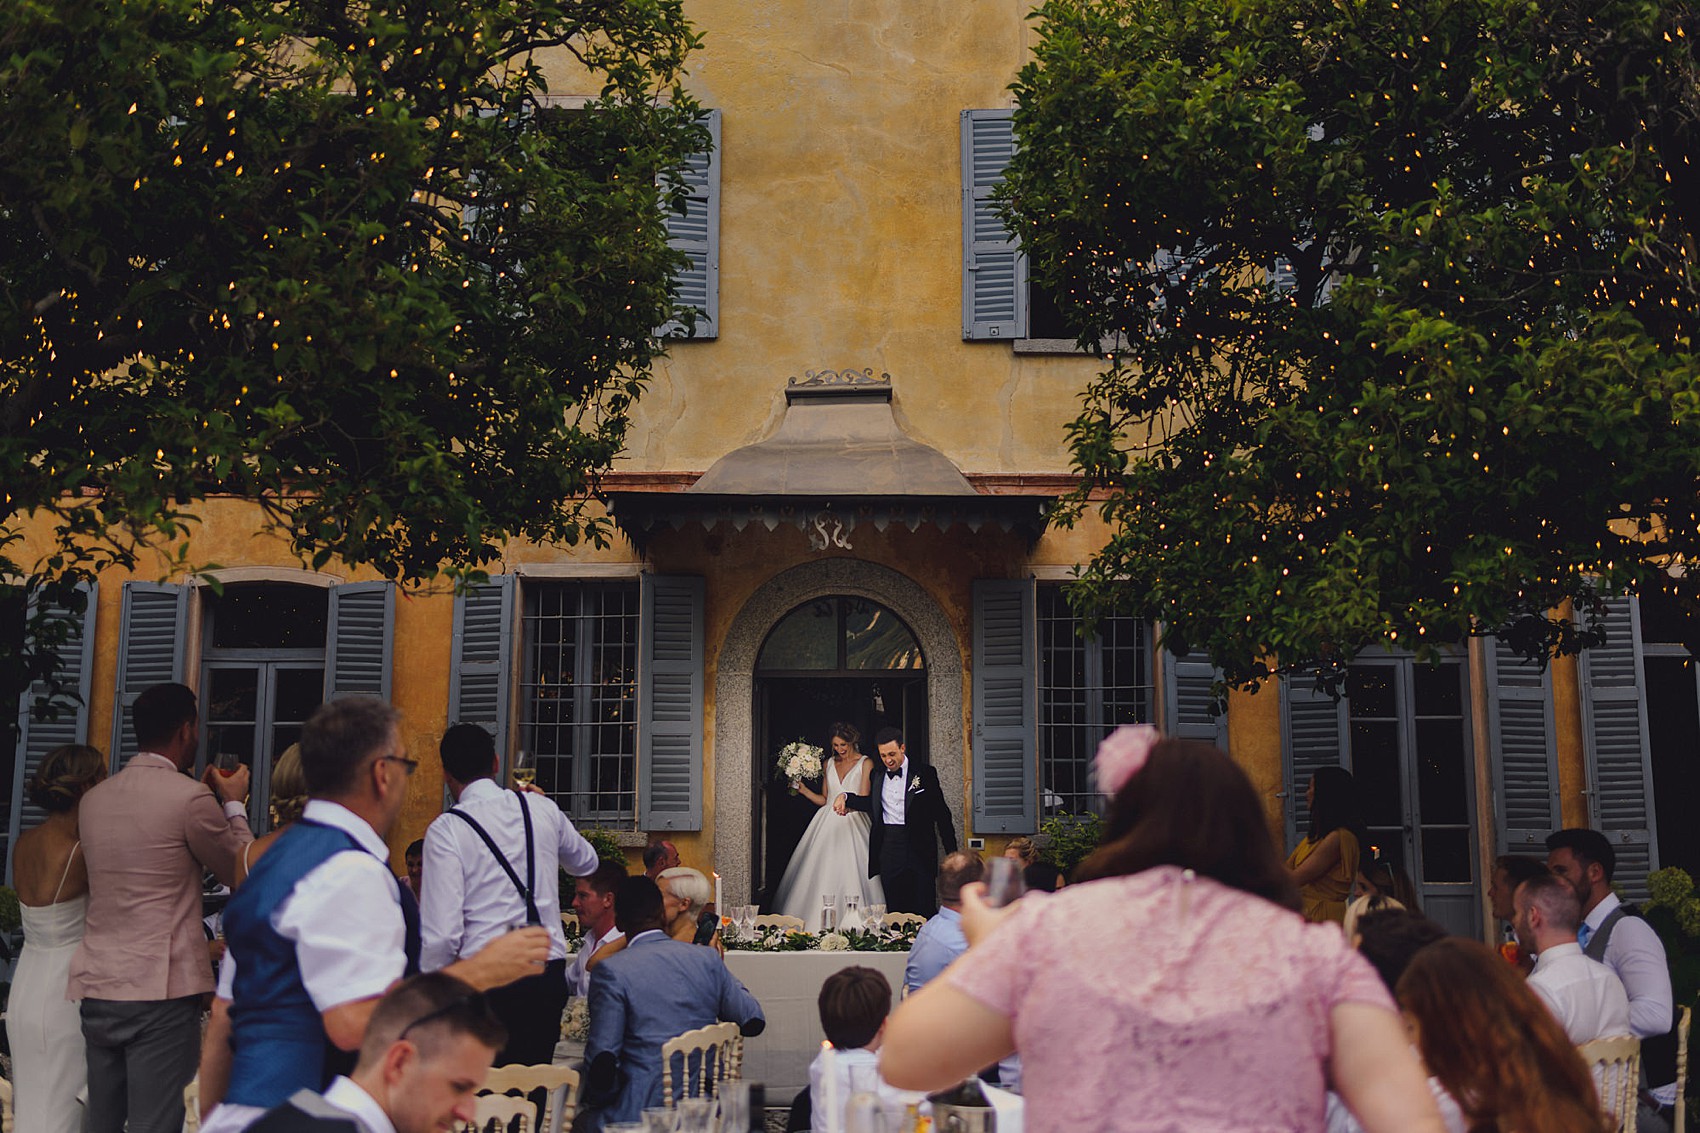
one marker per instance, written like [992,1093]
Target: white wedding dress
[831,858]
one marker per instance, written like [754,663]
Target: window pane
[875,638]
[1446,855]
[299,691]
[1087,687]
[1442,791]
[1370,689]
[1375,767]
[806,638]
[234,694]
[1439,690]
[269,615]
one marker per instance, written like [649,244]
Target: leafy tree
[1402,301]
[347,261]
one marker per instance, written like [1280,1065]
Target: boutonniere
[915,783]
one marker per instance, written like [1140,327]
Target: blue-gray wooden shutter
[152,624]
[1005,707]
[696,232]
[359,639]
[1315,733]
[69,726]
[670,692]
[994,269]
[482,645]
[1189,703]
[1619,756]
[1524,751]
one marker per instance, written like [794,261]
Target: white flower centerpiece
[798,761]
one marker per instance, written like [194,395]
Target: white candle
[719,909]
[829,1075]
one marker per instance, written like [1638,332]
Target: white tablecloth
[787,985]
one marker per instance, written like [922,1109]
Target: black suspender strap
[526,888]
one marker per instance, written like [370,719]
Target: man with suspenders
[490,865]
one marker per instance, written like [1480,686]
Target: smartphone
[1003,882]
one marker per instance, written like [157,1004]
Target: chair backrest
[892,920]
[507,1115]
[779,920]
[1683,1020]
[5,1106]
[1616,1066]
[719,1051]
[191,1107]
[560,1104]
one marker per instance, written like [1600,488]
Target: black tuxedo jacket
[924,809]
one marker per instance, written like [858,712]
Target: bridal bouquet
[798,760]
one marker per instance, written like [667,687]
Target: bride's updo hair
[65,774]
[849,734]
[289,787]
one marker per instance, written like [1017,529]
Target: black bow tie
[890,774]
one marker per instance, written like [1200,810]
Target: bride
[831,859]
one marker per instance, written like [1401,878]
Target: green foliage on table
[1472,395]
[773,939]
[344,261]
[1068,838]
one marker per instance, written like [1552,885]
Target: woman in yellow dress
[1325,863]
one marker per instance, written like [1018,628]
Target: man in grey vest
[1617,936]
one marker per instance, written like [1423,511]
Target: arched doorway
[737,762]
[838,657]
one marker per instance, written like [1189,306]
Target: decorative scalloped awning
[838,460]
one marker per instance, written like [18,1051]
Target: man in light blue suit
[642,996]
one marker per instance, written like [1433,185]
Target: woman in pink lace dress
[1177,987]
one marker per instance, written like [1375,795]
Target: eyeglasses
[470,1005]
[411,765]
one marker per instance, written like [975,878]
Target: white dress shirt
[892,798]
[1637,955]
[342,957]
[348,1095]
[1585,996]
[467,900]
[578,975]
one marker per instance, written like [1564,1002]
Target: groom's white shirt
[892,798]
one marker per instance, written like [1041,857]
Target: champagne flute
[524,768]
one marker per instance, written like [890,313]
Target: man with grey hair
[1584,995]
[316,933]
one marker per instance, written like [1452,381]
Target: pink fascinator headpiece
[1122,754]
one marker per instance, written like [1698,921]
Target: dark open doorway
[831,659]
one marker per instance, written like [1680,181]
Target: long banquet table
[787,985]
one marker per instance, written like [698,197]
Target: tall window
[579,695]
[1087,688]
[263,674]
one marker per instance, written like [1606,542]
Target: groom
[906,804]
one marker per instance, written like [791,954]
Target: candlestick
[834,1114]
[719,909]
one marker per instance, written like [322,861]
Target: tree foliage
[345,260]
[1402,300]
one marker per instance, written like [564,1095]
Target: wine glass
[661,1119]
[747,921]
[695,1114]
[524,768]
[876,916]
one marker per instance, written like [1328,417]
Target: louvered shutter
[1190,707]
[359,639]
[1005,707]
[37,737]
[1614,735]
[994,269]
[480,691]
[696,232]
[1314,735]
[152,624]
[1525,753]
[670,714]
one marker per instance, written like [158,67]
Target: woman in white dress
[831,859]
[49,1064]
